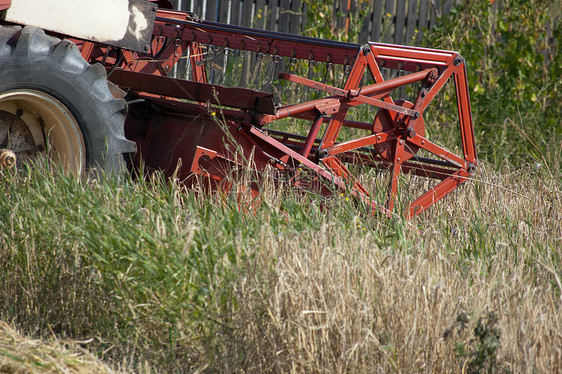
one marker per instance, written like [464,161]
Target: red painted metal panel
[197,91]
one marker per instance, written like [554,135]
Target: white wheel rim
[51,124]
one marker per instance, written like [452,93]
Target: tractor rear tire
[54,102]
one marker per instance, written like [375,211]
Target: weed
[481,354]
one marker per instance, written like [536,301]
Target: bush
[513,59]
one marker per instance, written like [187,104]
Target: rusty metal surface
[267,42]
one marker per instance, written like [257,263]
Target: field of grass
[148,277]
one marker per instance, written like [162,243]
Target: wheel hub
[15,136]
[33,123]
[384,121]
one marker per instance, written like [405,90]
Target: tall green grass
[162,278]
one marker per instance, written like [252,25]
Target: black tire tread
[82,87]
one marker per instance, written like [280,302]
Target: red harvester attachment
[207,124]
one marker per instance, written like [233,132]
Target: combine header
[198,99]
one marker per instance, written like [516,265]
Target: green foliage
[486,344]
[481,354]
[323,20]
[513,59]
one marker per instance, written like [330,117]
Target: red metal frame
[5,4]
[168,130]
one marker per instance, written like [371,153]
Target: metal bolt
[410,133]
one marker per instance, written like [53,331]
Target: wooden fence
[388,21]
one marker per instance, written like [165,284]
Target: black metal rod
[247,31]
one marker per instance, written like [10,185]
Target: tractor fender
[121,23]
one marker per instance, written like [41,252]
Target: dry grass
[349,309]
[20,354]
[336,303]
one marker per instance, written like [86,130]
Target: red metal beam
[380,137]
[465,115]
[202,92]
[174,25]
[436,193]
[267,42]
